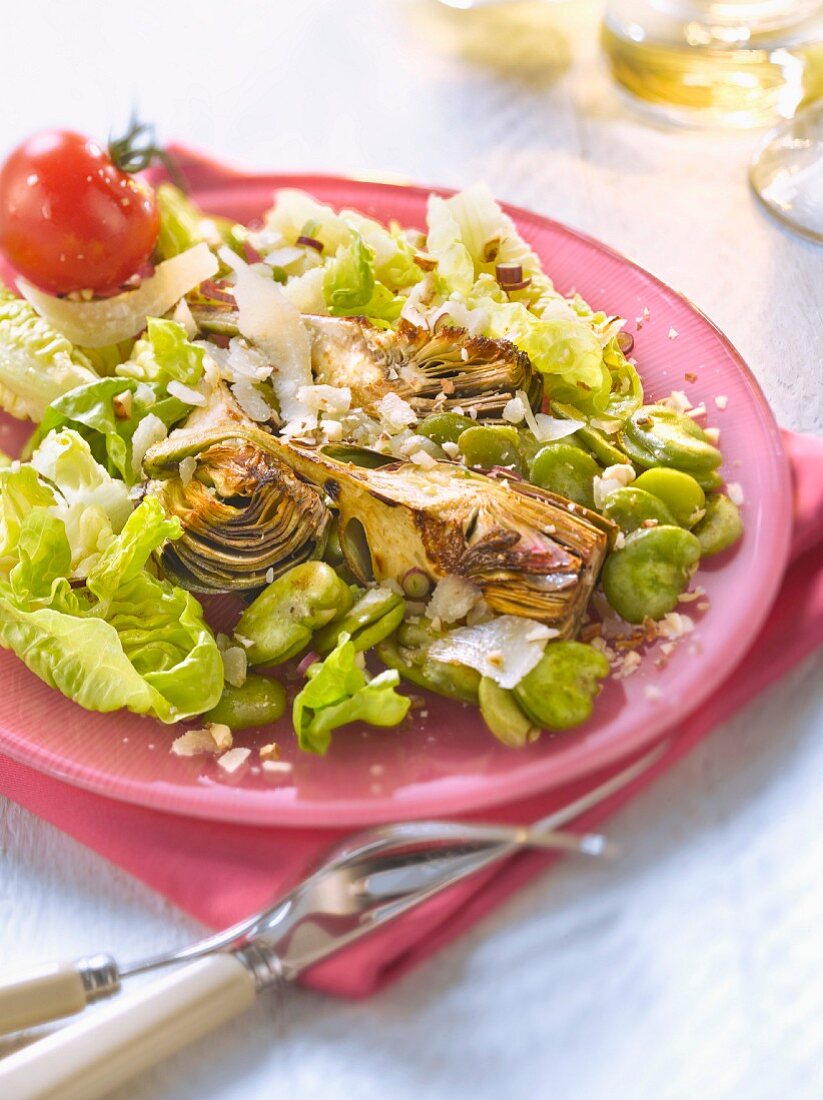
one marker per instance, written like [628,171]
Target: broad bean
[374,616]
[566,470]
[721,526]
[631,508]
[503,715]
[595,440]
[444,427]
[646,577]
[491,446]
[257,702]
[656,435]
[281,621]
[679,492]
[559,691]
[407,651]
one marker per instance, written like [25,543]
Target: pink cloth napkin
[221,873]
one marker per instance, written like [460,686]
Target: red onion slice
[210,289]
[625,341]
[310,659]
[251,255]
[311,242]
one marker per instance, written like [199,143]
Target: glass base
[787,173]
[716,64]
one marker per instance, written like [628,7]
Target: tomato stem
[138,148]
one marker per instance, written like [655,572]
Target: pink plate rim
[580,759]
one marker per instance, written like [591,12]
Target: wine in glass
[717,62]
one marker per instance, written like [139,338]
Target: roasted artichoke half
[530,552]
[430,370]
[246,516]
[433,371]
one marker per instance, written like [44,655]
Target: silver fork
[365,882]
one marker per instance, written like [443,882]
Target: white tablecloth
[692,968]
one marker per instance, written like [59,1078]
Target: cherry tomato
[70,219]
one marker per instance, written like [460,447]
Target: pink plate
[446,762]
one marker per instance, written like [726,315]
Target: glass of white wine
[717,62]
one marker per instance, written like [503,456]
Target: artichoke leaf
[530,552]
[246,516]
[433,371]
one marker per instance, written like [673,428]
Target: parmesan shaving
[267,318]
[185,393]
[505,649]
[105,321]
[150,430]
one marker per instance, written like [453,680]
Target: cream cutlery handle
[87,1059]
[48,994]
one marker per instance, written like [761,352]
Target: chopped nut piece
[123,403]
[690,376]
[270,751]
[214,738]
[233,760]
[276,767]
[721,401]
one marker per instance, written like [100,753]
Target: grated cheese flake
[505,648]
[186,394]
[453,598]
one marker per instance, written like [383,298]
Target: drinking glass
[717,62]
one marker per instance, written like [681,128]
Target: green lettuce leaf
[165,354]
[145,531]
[44,555]
[21,491]
[296,211]
[126,639]
[165,638]
[338,693]
[562,347]
[105,361]
[90,411]
[351,290]
[37,364]
[469,234]
[92,505]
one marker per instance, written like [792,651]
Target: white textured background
[693,968]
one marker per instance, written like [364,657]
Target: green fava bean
[593,439]
[491,446]
[710,481]
[679,492]
[374,616]
[281,621]
[655,435]
[560,690]
[646,577]
[407,651]
[444,427]
[567,471]
[721,526]
[502,714]
[632,508]
[257,702]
